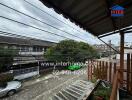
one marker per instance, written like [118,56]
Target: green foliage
[6,57]
[94,80]
[70,50]
[103,92]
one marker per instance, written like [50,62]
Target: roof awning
[93,16]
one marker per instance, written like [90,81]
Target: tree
[70,50]
[6,57]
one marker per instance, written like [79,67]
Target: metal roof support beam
[110,46]
[111,33]
[126,30]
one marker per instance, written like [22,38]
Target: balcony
[120,79]
[31,53]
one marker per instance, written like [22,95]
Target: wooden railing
[115,86]
[127,79]
[102,70]
[111,72]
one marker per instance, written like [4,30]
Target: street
[45,87]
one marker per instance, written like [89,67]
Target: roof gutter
[126,30]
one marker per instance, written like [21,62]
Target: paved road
[44,87]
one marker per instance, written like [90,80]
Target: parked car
[9,88]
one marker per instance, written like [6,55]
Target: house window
[24,49]
[45,49]
[34,49]
[40,49]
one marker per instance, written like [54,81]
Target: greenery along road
[6,57]
[70,50]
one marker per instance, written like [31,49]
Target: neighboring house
[126,51]
[128,44]
[103,49]
[29,49]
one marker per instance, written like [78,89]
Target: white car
[10,88]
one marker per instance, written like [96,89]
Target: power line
[11,34]
[19,36]
[33,27]
[50,15]
[39,20]
[14,35]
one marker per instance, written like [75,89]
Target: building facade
[104,50]
[29,49]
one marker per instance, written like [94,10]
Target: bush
[102,92]
[70,50]
[6,58]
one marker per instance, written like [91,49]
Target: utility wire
[14,35]
[19,36]
[33,27]
[39,20]
[50,15]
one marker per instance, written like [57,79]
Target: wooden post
[128,72]
[106,70]
[88,70]
[114,68]
[114,72]
[121,56]
[91,69]
[97,69]
[114,88]
[103,70]
[100,69]
[131,73]
[110,67]
[101,75]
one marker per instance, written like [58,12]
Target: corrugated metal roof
[78,90]
[93,15]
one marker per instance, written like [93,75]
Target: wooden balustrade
[103,69]
[115,86]
[111,72]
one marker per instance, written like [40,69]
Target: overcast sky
[21,5]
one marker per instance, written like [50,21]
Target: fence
[102,70]
[21,74]
[110,71]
